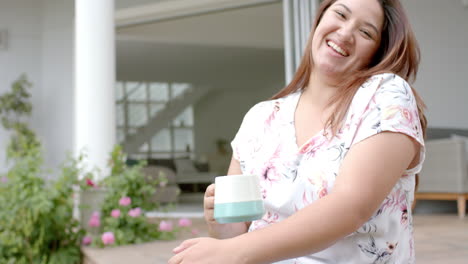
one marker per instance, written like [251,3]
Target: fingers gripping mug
[237,199]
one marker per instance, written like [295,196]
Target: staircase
[161,119]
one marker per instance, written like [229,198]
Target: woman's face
[347,37]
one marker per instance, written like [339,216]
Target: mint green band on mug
[238,212]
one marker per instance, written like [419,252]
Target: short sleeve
[393,108]
[249,131]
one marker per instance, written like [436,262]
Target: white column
[94,130]
[298,16]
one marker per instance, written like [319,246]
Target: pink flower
[87,240]
[108,238]
[135,212]
[163,184]
[89,182]
[94,220]
[115,213]
[165,226]
[4,179]
[125,201]
[195,232]
[185,222]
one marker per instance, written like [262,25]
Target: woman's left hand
[206,250]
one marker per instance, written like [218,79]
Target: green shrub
[36,216]
[36,213]
[130,226]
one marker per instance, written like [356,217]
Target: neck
[320,90]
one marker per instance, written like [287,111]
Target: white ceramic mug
[237,199]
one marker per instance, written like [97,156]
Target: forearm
[310,230]
[224,231]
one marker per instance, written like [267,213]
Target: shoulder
[385,102]
[255,116]
[259,109]
[264,109]
[383,93]
[387,82]
[383,88]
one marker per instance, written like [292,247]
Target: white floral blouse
[294,176]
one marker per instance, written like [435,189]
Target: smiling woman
[336,151]
[347,37]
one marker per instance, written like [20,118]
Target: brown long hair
[398,53]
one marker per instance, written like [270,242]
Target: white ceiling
[239,45]
[139,61]
[253,27]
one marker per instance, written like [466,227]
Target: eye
[366,33]
[340,14]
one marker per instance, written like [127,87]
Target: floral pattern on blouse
[292,177]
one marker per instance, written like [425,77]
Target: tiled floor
[439,238]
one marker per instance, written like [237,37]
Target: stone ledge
[148,253]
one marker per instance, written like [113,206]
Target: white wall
[41,46]
[23,20]
[441,28]
[55,122]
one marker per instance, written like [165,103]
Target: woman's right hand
[215,229]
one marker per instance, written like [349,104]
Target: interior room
[235,57]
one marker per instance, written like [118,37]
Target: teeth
[337,48]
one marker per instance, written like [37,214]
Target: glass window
[146,100]
[159,92]
[132,130]
[119,91]
[183,140]
[120,135]
[120,115]
[161,142]
[155,108]
[137,115]
[184,119]
[136,91]
[144,147]
[178,88]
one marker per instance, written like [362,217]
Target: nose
[346,32]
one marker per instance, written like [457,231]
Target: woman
[337,150]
